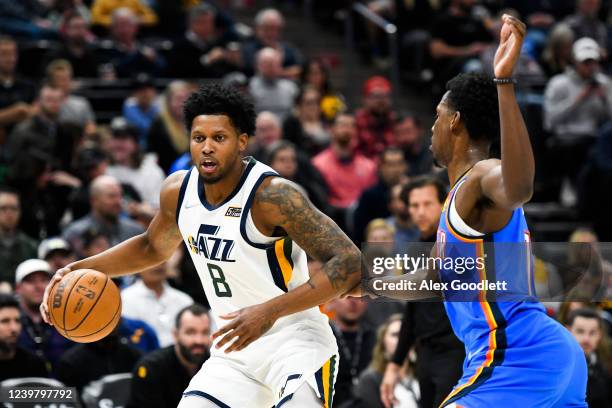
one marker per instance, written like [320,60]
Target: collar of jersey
[250,163]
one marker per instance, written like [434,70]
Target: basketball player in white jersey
[248,232]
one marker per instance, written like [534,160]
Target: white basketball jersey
[238,265]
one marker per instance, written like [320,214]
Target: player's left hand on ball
[248,325]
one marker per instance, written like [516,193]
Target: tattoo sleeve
[314,232]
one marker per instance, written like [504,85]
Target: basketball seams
[92,306]
[117,312]
[68,292]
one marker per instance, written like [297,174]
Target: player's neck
[460,165]
[217,192]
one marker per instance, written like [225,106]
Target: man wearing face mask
[161,376]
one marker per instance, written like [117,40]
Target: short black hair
[420,182]
[586,313]
[196,309]
[217,99]
[474,95]
[8,300]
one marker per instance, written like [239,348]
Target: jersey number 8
[222,289]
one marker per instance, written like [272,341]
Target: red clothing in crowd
[373,134]
[346,178]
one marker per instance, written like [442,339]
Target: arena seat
[112,390]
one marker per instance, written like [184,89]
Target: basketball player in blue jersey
[248,232]
[516,356]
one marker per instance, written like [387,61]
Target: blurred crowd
[79,175]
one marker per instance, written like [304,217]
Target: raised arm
[278,203]
[511,184]
[141,252]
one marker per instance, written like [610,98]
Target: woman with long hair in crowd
[306,128]
[367,390]
[316,74]
[168,136]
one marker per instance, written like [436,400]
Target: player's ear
[455,123]
[243,141]
[175,335]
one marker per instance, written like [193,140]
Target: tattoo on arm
[313,231]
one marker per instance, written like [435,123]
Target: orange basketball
[85,305]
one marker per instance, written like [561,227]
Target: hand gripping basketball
[44,308]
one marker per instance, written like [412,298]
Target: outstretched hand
[510,43]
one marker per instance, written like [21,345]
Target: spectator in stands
[373,202]
[576,104]
[168,137]
[375,119]
[267,132]
[31,278]
[367,391]
[305,128]
[425,324]
[409,136]
[138,335]
[103,12]
[90,162]
[161,377]
[204,51]
[75,109]
[269,90]
[424,197]
[75,47]
[585,23]
[378,231]
[586,273]
[126,55]
[355,344]
[457,38]
[587,327]
[597,177]
[56,252]
[15,246]
[557,56]
[15,361]
[269,24]
[290,164]
[44,132]
[130,166]
[141,109]
[94,242]
[16,94]
[88,362]
[405,230]
[152,300]
[105,216]
[347,173]
[43,198]
[315,73]
[25,19]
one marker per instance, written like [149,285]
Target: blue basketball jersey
[493,309]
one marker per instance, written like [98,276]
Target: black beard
[7,348]
[212,180]
[196,359]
